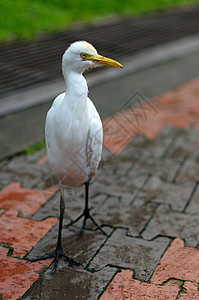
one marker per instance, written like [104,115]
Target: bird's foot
[57,254]
[86,215]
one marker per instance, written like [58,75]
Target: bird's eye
[83,55]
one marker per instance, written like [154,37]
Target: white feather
[73,129]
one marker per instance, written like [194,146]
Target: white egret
[73,132]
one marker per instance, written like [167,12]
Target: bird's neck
[76,85]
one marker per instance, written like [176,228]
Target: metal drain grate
[27,63]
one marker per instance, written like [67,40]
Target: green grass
[21,19]
[38,146]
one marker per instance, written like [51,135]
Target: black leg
[86,214]
[58,251]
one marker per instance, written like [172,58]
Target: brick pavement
[146,196]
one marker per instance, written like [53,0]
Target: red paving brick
[22,234]
[124,286]
[25,201]
[42,160]
[179,262]
[190,292]
[17,275]
[177,108]
[116,137]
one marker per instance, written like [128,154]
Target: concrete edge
[46,92]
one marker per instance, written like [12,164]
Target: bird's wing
[49,124]
[94,140]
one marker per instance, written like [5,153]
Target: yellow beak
[96,58]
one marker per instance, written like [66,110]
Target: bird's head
[82,55]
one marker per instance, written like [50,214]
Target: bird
[74,134]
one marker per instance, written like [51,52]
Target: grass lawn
[28,18]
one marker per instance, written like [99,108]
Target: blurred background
[26,18]
[34,35]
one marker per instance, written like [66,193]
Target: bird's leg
[86,214]
[58,251]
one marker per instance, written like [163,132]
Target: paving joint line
[175,210]
[148,221]
[25,256]
[169,244]
[168,148]
[126,172]
[101,203]
[10,249]
[34,282]
[168,279]
[98,250]
[133,164]
[179,169]
[141,187]
[191,196]
[181,290]
[106,286]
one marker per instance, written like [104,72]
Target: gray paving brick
[32,158]
[82,250]
[189,171]
[117,185]
[118,212]
[185,143]
[133,253]
[156,190]
[173,224]
[18,169]
[27,182]
[156,147]
[74,203]
[71,283]
[164,168]
[193,205]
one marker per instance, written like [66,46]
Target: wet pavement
[145,195]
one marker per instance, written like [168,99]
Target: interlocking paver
[189,172]
[116,185]
[157,147]
[34,157]
[123,286]
[22,234]
[163,168]
[133,253]
[78,284]
[193,205]
[184,144]
[190,291]
[17,275]
[157,190]
[42,160]
[24,201]
[20,169]
[178,262]
[116,212]
[81,250]
[174,224]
